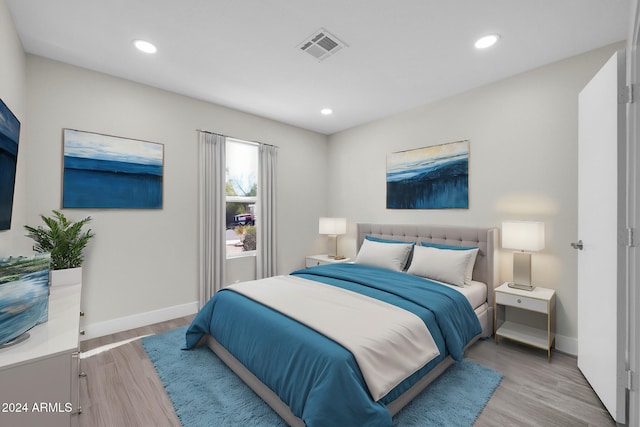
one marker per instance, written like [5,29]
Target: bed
[312,379]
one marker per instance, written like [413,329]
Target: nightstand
[540,300]
[314,260]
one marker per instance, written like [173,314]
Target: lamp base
[521,287]
[522,270]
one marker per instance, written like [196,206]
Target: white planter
[68,276]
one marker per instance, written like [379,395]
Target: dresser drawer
[541,306]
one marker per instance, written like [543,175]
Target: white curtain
[211,215]
[266,260]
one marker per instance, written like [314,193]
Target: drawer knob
[519,301]
[81,331]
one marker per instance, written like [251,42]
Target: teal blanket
[319,379]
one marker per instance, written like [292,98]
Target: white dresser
[39,377]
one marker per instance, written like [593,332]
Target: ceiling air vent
[321,44]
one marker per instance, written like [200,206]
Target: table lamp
[333,227]
[523,236]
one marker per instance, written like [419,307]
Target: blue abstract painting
[9,135]
[24,294]
[435,177]
[102,171]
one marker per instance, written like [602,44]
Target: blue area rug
[205,392]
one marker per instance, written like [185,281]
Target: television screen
[9,134]
[24,295]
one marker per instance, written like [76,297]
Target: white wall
[146,260]
[13,91]
[523,165]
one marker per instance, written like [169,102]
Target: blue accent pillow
[381,240]
[441,246]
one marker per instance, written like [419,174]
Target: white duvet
[388,343]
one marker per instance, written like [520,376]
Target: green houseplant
[63,239]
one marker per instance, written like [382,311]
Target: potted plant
[65,241]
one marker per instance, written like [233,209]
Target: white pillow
[392,256]
[441,264]
[472,262]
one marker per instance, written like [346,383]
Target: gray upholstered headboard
[486,268]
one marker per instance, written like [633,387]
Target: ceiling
[245,54]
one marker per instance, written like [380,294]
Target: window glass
[241,189]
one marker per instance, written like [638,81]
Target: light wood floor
[122,388]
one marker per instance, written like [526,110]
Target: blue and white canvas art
[24,294]
[435,177]
[103,171]
[9,135]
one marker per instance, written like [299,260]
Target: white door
[633,138]
[601,228]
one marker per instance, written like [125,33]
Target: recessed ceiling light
[487,41]
[145,46]
[326,111]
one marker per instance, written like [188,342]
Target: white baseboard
[99,329]
[567,345]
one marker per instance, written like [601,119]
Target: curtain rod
[233,137]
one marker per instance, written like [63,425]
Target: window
[241,190]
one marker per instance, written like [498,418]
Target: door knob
[578,245]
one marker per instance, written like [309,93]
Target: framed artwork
[103,171]
[435,177]
[9,135]
[24,295]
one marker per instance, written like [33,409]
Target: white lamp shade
[332,226]
[523,235]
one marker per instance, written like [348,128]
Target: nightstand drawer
[315,260]
[532,304]
[310,262]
